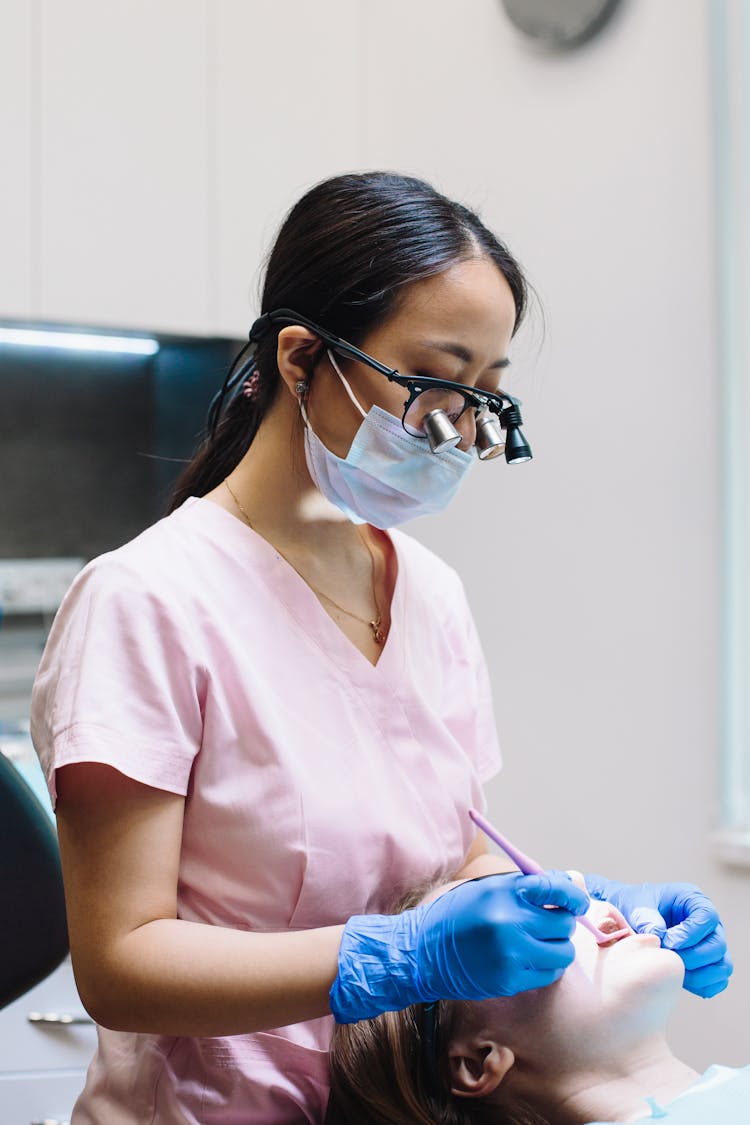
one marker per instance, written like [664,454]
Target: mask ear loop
[302,387]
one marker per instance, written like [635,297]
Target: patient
[588,1049]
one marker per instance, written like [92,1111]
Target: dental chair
[33,926]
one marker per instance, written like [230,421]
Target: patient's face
[633,979]
[611,998]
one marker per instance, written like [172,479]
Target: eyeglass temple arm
[288,316]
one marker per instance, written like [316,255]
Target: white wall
[155,147]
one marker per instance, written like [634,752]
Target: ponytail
[234,417]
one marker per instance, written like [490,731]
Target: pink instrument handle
[528,866]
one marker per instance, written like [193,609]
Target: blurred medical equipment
[34,936]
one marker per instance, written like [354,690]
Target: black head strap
[260,328]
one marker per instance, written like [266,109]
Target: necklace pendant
[377,633]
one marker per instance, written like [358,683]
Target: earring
[301,388]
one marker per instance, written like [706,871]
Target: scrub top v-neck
[286,584]
[317,785]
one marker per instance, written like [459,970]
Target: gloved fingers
[548,926]
[551,955]
[677,900]
[553,888]
[709,980]
[708,993]
[534,965]
[596,885]
[707,952]
[698,919]
[486,939]
[646,920]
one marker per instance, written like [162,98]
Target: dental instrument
[528,866]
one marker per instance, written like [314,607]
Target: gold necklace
[378,634]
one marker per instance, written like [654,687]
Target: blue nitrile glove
[682,918]
[486,937]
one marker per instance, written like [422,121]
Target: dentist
[265,718]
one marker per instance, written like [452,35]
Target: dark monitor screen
[91,442]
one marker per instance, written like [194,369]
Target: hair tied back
[260,328]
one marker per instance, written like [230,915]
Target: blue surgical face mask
[388,476]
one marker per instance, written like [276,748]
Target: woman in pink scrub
[266,717]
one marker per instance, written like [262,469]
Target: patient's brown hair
[378,1077]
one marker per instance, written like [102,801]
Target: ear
[478,1066]
[297,353]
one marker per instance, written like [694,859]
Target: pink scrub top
[317,785]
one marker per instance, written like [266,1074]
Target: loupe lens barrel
[440,431]
[490,440]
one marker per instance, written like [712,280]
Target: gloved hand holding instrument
[486,937]
[681,916]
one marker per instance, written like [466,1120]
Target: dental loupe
[494,435]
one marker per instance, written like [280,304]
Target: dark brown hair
[378,1077]
[341,259]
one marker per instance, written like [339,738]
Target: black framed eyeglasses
[432,407]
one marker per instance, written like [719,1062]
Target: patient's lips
[613,925]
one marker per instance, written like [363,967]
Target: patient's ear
[478,1065]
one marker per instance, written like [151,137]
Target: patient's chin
[609,1000]
[639,989]
[640,962]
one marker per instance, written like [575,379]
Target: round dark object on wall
[560,24]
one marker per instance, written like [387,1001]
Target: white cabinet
[122,178]
[46,1099]
[123,104]
[286,112]
[150,150]
[16,197]
[43,1060]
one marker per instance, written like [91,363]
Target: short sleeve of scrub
[117,683]
[317,785]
